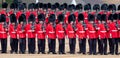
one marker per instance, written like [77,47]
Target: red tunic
[66,17]
[70,31]
[18,14]
[113,32]
[39,31]
[3,32]
[50,31]
[6,14]
[80,31]
[21,33]
[12,31]
[60,33]
[27,15]
[29,31]
[91,32]
[85,17]
[102,33]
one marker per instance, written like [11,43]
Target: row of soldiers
[43,21]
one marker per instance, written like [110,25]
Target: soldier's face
[81,21]
[21,22]
[103,21]
[109,21]
[61,22]
[51,23]
[71,22]
[114,20]
[13,23]
[2,22]
[4,8]
[30,22]
[99,21]
[12,9]
[40,22]
[91,21]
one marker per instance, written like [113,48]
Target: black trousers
[92,47]
[82,45]
[61,45]
[14,45]
[31,45]
[4,45]
[72,44]
[41,45]
[22,45]
[99,45]
[52,45]
[113,45]
[102,46]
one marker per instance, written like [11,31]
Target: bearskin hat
[80,17]
[60,17]
[4,5]
[13,18]
[41,17]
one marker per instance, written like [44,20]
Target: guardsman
[78,8]
[118,21]
[35,11]
[50,34]
[57,10]
[70,31]
[102,34]
[3,33]
[67,13]
[80,33]
[113,34]
[96,9]
[40,32]
[87,8]
[45,7]
[28,12]
[104,8]
[25,6]
[4,11]
[30,34]
[60,33]
[21,34]
[13,34]
[40,6]
[20,11]
[91,34]
[12,9]
[115,17]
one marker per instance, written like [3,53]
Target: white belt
[51,32]
[103,31]
[20,31]
[114,30]
[71,31]
[81,31]
[86,18]
[2,32]
[92,31]
[13,32]
[40,31]
[61,31]
[30,30]
[98,28]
